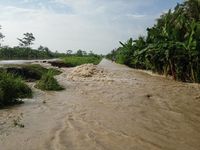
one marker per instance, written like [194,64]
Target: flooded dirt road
[124,109]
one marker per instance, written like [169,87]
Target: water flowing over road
[127,110]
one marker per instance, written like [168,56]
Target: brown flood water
[131,111]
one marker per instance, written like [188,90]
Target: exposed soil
[114,108]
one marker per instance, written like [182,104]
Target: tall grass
[12,89]
[48,82]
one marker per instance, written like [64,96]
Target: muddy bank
[116,109]
[30,72]
[58,64]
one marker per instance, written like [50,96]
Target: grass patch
[54,71]
[12,89]
[48,82]
[72,61]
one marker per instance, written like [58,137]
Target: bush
[11,89]
[48,82]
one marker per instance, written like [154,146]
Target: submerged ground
[127,109]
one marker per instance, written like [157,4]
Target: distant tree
[1,36]
[47,50]
[84,53]
[79,53]
[41,48]
[27,40]
[91,53]
[69,52]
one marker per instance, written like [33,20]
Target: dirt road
[125,110]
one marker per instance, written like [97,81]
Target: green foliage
[27,40]
[22,53]
[48,82]
[27,53]
[81,53]
[171,47]
[11,89]
[73,61]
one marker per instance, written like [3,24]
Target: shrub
[48,82]
[11,89]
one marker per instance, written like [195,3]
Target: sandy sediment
[89,72]
[108,106]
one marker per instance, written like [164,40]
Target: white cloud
[92,25]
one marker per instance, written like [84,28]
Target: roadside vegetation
[48,82]
[12,89]
[171,47]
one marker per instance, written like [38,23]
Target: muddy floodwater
[126,109]
[19,62]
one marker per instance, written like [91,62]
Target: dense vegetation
[11,89]
[48,82]
[10,53]
[172,45]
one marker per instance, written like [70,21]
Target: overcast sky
[96,25]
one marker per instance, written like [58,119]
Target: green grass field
[73,61]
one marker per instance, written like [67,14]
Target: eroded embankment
[107,107]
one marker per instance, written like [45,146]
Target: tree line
[171,47]
[24,50]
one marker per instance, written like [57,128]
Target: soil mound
[87,71]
